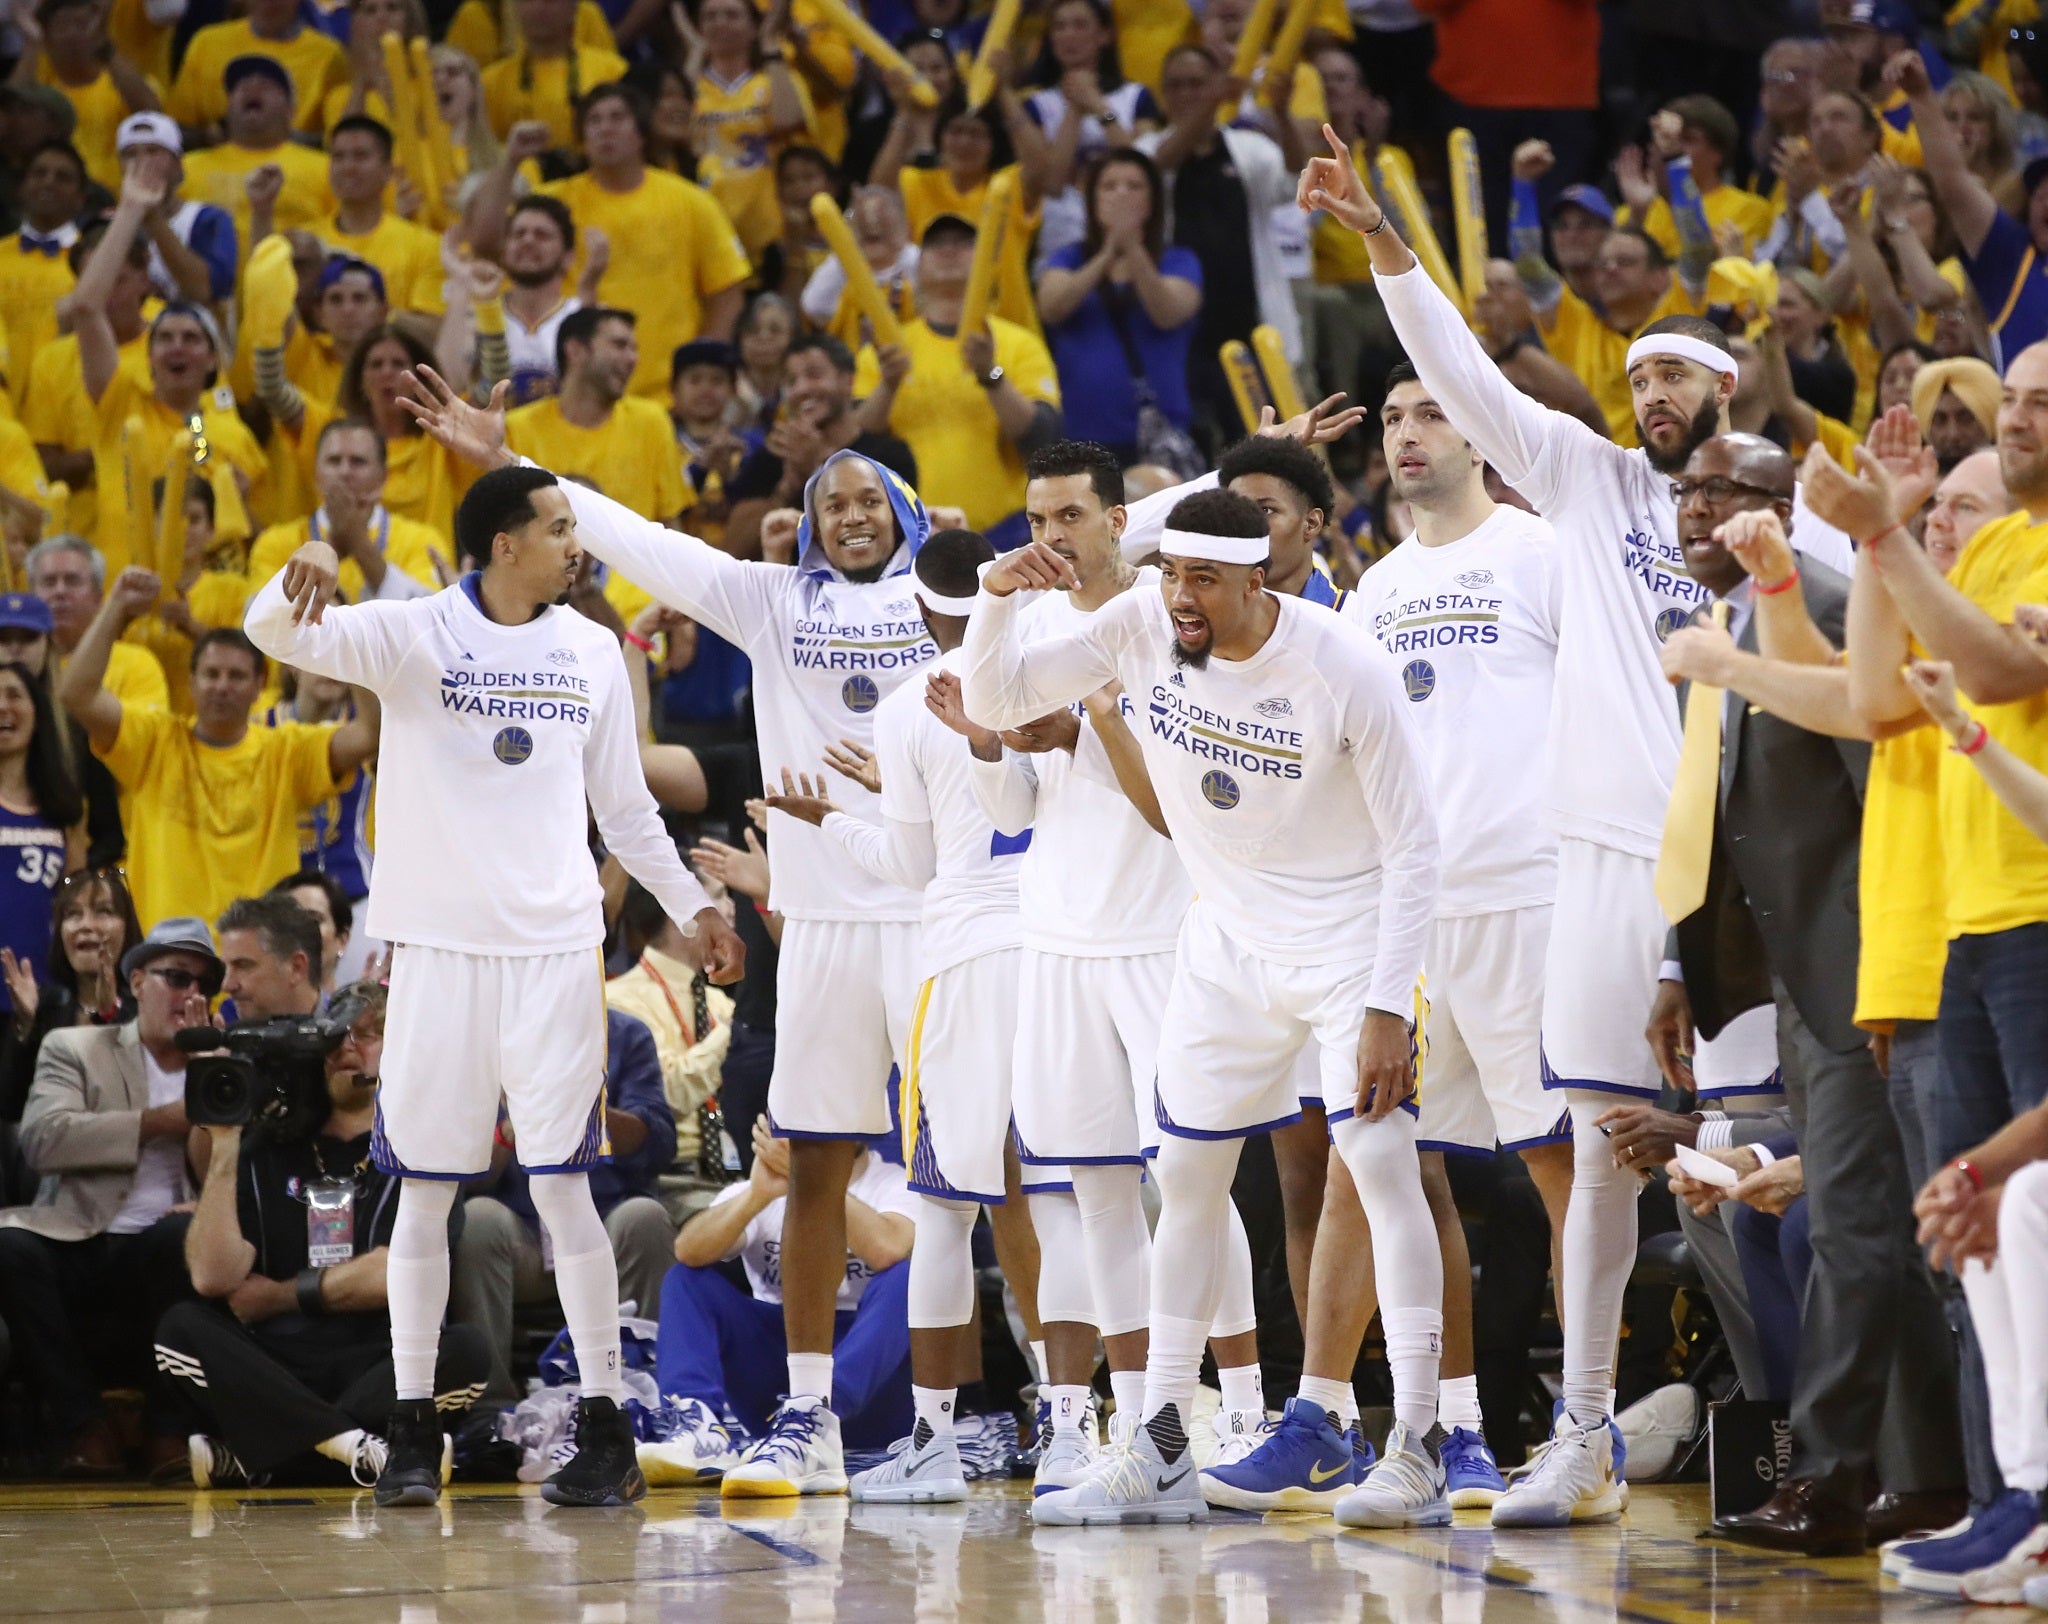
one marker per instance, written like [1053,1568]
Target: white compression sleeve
[1599,1253]
[416,1282]
[1188,1264]
[1235,1311]
[1064,1295]
[942,1264]
[1118,1243]
[1407,1261]
[586,1279]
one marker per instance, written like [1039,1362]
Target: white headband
[1217,549]
[1710,356]
[938,603]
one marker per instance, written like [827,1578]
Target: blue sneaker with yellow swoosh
[1304,1464]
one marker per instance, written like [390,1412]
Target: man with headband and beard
[1614,737]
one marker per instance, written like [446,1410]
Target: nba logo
[860,693]
[1670,620]
[1419,678]
[512,745]
[1220,790]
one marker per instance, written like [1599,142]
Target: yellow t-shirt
[1725,204]
[422,479]
[207,825]
[736,156]
[672,250]
[1905,935]
[1145,31]
[1955,276]
[30,286]
[219,175]
[147,44]
[100,108]
[409,257]
[964,459]
[58,412]
[522,87]
[474,29]
[633,458]
[136,678]
[198,96]
[406,545]
[1997,869]
[928,193]
[1575,333]
[130,395]
[21,467]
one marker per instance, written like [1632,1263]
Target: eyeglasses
[1718,488]
[174,978]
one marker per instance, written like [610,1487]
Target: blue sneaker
[1362,1450]
[1936,1567]
[1471,1477]
[1305,1464]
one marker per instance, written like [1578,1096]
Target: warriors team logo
[860,693]
[1220,790]
[1419,678]
[1670,620]
[1274,707]
[512,745]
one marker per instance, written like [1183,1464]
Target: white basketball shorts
[843,992]
[463,1028]
[1741,1059]
[1087,1052]
[1600,975]
[956,1080]
[1482,1071]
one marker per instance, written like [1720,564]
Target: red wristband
[1970,1171]
[1865,546]
[1982,738]
[639,642]
[1785,585]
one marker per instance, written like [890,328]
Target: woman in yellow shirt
[749,106]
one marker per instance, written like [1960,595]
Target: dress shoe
[95,1452]
[168,1461]
[1898,1516]
[1802,1517]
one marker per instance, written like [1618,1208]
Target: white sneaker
[915,1473]
[1574,1482]
[1132,1482]
[1404,1490]
[1064,1460]
[799,1454]
[2035,1592]
[2004,1583]
[214,1465]
[702,1449]
[1657,1428]
[1238,1433]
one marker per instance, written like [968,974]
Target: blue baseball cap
[1584,196]
[25,612]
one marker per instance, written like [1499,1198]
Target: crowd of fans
[233,237]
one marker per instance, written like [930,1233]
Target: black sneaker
[415,1455]
[603,1471]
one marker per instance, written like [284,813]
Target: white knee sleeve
[1064,1295]
[1406,1258]
[586,1278]
[1599,1253]
[416,1281]
[1118,1244]
[942,1264]
[1188,1263]
[1236,1313]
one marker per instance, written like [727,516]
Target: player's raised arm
[631,825]
[1509,429]
[294,620]
[1005,684]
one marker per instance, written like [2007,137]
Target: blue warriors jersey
[31,863]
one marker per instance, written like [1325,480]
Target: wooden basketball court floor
[500,1556]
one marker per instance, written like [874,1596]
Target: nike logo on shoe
[1166,1483]
[1317,1475]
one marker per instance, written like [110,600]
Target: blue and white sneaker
[1234,1434]
[702,1447]
[1406,1489]
[1573,1482]
[1892,1558]
[1132,1482]
[1935,1567]
[1471,1475]
[1558,1423]
[1303,1464]
[923,1469]
[799,1454]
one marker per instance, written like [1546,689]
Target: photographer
[289,1358]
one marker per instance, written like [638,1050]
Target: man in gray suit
[1779,925]
[105,1129]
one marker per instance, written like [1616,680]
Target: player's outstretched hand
[802,797]
[942,699]
[310,575]
[474,433]
[1323,422]
[745,871]
[1333,185]
[851,759]
[1386,1064]
[725,955]
[1033,567]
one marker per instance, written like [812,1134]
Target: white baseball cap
[149,130]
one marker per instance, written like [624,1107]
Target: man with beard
[827,640]
[540,245]
[1613,752]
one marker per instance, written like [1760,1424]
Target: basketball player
[1613,751]
[1289,775]
[828,639]
[503,711]
[935,838]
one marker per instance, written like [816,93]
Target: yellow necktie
[1688,846]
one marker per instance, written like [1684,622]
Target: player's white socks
[586,1279]
[416,1281]
[1236,1313]
[1064,1294]
[1127,1387]
[1244,1388]
[1327,1392]
[1189,1260]
[810,1376]
[1457,1403]
[1118,1246]
[1069,1403]
[934,1406]
[1174,1366]
[942,1264]
[1415,1341]
[1599,1253]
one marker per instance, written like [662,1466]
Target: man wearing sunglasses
[106,1121]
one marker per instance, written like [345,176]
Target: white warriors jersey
[825,650]
[1473,626]
[493,738]
[1293,781]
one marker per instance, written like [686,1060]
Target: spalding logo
[1220,790]
[1419,678]
[860,693]
[1274,707]
[1670,620]
[512,745]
